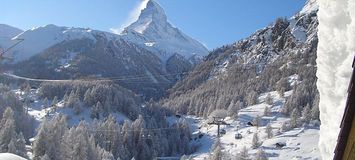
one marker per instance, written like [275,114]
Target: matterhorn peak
[153,13]
[153,31]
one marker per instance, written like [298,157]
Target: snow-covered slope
[301,143]
[10,156]
[311,6]
[153,31]
[6,34]
[282,57]
[38,39]
[9,31]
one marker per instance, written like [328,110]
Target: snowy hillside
[153,31]
[300,143]
[6,34]
[10,156]
[9,31]
[279,62]
[41,109]
[38,39]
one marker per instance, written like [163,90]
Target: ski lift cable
[108,79]
[12,46]
[132,130]
[141,77]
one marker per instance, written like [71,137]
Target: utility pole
[218,121]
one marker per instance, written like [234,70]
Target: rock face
[263,62]
[153,31]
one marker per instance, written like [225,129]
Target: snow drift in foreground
[10,156]
[336,49]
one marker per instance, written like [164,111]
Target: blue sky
[212,22]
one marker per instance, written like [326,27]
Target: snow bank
[10,156]
[336,49]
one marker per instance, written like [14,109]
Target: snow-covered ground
[39,112]
[10,156]
[301,143]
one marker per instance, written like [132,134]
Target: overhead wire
[142,78]
[19,40]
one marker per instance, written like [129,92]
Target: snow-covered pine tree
[217,154]
[104,155]
[93,153]
[269,100]
[65,99]
[107,107]
[257,121]
[315,108]
[233,110]
[306,114]
[252,98]
[95,112]
[21,146]
[40,144]
[285,127]
[261,155]
[87,97]
[294,118]
[7,130]
[243,154]
[77,106]
[45,103]
[267,111]
[49,138]
[255,141]
[54,102]
[268,131]
[11,147]
[75,143]
[143,151]
[45,157]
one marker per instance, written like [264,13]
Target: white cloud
[133,16]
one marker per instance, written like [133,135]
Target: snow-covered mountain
[6,34]
[9,31]
[100,55]
[153,31]
[278,60]
[279,52]
[38,39]
[150,47]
